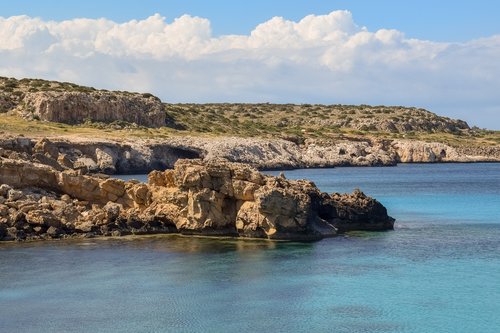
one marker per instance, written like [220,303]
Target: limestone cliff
[69,103]
[78,107]
[263,135]
[141,156]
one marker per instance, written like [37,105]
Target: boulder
[14,195]
[47,148]
[54,232]
[357,211]
[4,190]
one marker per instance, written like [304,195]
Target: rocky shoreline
[145,155]
[57,188]
[210,198]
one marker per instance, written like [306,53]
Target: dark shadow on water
[165,243]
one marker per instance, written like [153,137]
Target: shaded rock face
[77,107]
[197,197]
[96,156]
[357,211]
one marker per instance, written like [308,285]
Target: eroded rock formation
[197,197]
[142,156]
[77,107]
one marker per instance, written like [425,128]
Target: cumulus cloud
[319,59]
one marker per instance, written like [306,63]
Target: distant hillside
[306,118]
[35,104]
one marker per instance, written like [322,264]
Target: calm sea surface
[439,271]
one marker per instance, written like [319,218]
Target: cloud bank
[319,59]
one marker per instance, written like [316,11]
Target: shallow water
[439,271]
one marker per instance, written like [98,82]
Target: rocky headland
[59,142]
[213,198]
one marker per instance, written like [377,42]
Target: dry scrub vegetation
[287,121]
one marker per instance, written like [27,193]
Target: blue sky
[440,20]
[440,55]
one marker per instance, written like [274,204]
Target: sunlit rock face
[196,197]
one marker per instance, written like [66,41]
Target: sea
[438,271]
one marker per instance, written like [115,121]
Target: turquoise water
[439,271]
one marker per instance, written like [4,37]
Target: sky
[439,55]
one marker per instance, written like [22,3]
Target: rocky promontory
[196,197]
[60,141]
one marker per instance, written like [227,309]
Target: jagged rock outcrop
[77,107]
[197,197]
[357,211]
[222,198]
[22,174]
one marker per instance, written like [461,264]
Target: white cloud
[321,58]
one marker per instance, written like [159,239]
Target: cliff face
[140,156]
[96,156]
[207,198]
[77,107]
[277,153]
[69,103]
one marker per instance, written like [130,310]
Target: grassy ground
[317,121]
[11,124]
[14,125]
